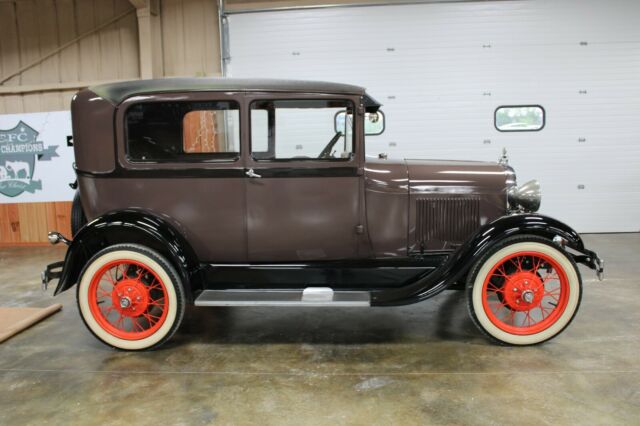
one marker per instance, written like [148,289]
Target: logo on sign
[20,150]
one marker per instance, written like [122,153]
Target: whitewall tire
[524,291]
[130,297]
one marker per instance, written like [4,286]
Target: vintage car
[230,192]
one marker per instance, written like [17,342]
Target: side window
[183,131]
[300,130]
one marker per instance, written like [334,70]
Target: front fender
[127,226]
[460,261]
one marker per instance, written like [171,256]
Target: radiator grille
[446,219]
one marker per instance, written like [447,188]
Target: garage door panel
[441,69]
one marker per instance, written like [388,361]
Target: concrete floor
[421,364]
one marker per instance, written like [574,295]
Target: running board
[310,296]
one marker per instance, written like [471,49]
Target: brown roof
[118,92]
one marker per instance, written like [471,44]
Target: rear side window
[183,131]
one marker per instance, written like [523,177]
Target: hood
[458,177]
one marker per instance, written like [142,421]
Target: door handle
[252,174]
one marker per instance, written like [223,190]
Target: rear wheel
[524,291]
[130,297]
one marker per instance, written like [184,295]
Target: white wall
[441,70]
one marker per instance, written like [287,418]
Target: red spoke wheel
[130,297]
[524,291]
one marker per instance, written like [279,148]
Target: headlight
[525,198]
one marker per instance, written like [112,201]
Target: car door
[179,157]
[304,180]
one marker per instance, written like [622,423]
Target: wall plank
[109,39]
[90,45]
[173,38]
[30,222]
[128,39]
[10,57]
[67,31]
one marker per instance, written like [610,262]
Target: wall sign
[35,161]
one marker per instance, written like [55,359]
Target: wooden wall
[33,28]
[190,41]
[30,29]
[29,223]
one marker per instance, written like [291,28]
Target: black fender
[129,226]
[460,261]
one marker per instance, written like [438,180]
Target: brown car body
[245,219]
[401,229]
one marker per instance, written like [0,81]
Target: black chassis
[390,281]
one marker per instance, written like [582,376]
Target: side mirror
[373,122]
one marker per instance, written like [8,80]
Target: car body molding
[460,261]
[128,226]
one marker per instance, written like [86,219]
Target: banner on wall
[36,165]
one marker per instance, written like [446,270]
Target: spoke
[537,266]
[151,318]
[119,322]
[136,324]
[516,263]
[543,312]
[118,270]
[502,270]
[103,293]
[499,275]
[155,286]
[553,296]
[499,305]
[108,277]
[141,272]
[494,288]
[113,274]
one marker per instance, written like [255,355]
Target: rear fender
[129,226]
[460,261]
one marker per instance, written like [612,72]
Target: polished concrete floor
[420,364]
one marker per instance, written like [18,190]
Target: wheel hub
[523,290]
[130,297]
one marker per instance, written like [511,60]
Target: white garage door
[441,69]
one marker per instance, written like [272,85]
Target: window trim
[544,117]
[186,158]
[306,160]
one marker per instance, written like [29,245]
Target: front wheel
[130,297]
[524,291]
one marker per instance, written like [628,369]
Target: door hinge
[359,229]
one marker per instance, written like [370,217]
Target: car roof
[118,92]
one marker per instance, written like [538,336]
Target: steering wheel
[326,152]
